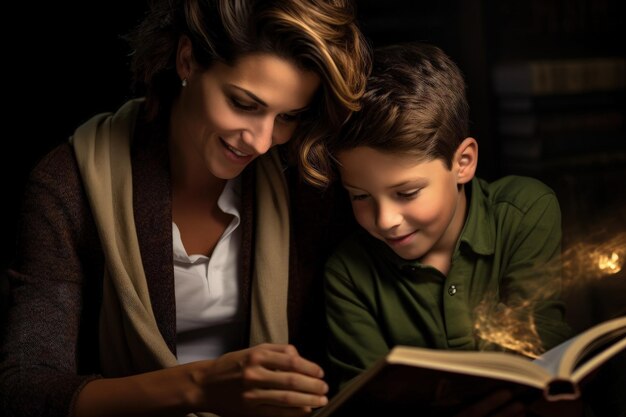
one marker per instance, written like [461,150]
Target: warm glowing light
[588,261]
[610,264]
[512,328]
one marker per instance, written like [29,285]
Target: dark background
[69,62]
[73,66]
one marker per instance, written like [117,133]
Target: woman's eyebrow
[261,102]
[249,94]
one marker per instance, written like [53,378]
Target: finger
[278,347]
[487,404]
[284,398]
[546,408]
[282,361]
[263,378]
[514,409]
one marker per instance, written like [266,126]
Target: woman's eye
[358,197]
[289,118]
[241,105]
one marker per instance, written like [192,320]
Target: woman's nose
[260,135]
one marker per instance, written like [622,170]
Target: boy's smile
[416,207]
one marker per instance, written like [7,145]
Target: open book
[429,382]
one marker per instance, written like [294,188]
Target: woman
[156,271]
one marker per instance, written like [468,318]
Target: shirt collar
[230,199]
[229,202]
[479,232]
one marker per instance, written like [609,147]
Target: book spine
[561,389]
[592,123]
[559,76]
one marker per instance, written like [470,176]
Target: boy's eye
[241,105]
[408,195]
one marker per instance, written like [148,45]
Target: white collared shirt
[209,317]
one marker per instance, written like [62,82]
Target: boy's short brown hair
[414,104]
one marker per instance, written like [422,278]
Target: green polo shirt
[509,250]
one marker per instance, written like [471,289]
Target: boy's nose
[387,216]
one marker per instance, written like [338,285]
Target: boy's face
[414,207]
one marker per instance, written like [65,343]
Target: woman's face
[227,116]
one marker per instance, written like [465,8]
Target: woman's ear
[466,160]
[184,59]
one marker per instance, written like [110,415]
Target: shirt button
[410,271]
[452,289]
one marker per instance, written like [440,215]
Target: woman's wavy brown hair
[317,35]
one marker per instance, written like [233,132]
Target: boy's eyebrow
[414,181]
[417,182]
[401,184]
[261,102]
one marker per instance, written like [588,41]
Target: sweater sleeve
[49,346]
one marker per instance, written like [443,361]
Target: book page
[551,360]
[582,353]
[593,347]
[500,365]
[598,359]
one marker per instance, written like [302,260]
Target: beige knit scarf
[130,341]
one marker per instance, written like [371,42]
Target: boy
[436,243]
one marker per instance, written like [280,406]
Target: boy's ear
[184,58]
[466,160]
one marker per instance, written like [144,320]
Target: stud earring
[184,82]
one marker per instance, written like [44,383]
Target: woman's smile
[235,154]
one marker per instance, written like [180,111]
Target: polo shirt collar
[479,232]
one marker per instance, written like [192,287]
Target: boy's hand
[501,403]
[504,403]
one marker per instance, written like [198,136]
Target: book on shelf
[563,123]
[543,148]
[552,169]
[531,135]
[595,100]
[443,382]
[559,76]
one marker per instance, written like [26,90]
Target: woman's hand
[265,380]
